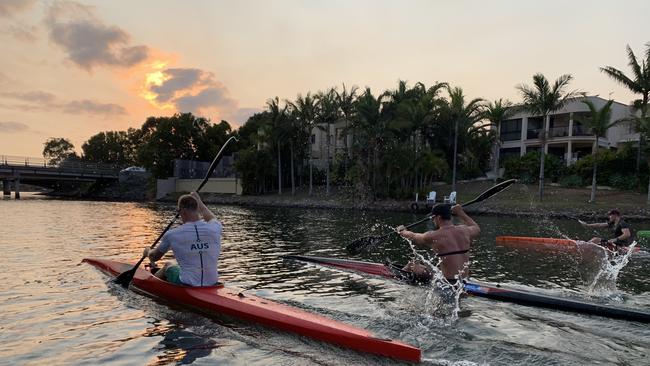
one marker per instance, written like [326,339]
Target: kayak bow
[232,302]
[494,292]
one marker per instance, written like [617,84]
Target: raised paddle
[369,242]
[126,277]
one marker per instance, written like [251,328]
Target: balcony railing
[533,133]
[558,131]
[510,136]
[582,131]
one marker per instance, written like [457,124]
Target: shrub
[571,181]
[526,168]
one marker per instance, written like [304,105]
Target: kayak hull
[495,292]
[231,302]
[546,243]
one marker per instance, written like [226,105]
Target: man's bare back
[449,242]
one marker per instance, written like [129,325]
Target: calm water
[54,310]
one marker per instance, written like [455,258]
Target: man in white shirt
[196,245]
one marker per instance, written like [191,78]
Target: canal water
[56,311]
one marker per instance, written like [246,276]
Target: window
[511,130]
[535,127]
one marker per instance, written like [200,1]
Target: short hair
[443,210]
[614,212]
[187,202]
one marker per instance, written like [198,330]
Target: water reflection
[54,310]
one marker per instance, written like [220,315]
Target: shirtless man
[449,242]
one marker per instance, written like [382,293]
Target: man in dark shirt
[620,230]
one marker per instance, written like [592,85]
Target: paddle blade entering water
[125,278]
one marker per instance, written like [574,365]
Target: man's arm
[596,225]
[626,234]
[418,239]
[203,209]
[474,229]
[153,254]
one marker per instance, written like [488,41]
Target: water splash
[611,264]
[441,298]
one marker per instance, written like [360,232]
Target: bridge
[40,172]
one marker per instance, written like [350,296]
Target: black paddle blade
[492,191]
[125,278]
[363,244]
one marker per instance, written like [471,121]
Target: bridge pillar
[17,188]
[6,187]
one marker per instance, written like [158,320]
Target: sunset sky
[72,69]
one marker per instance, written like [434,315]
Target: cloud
[179,80]
[44,101]
[90,107]
[196,91]
[216,97]
[9,8]
[13,127]
[35,96]
[22,32]
[241,115]
[88,42]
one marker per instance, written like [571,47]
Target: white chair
[431,197]
[451,198]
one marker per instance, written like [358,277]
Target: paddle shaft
[211,169]
[481,197]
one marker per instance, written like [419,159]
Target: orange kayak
[543,243]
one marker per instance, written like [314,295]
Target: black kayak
[494,292]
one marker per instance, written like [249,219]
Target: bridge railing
[83,166]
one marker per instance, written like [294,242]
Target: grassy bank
[518,199]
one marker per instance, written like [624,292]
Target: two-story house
[568,138]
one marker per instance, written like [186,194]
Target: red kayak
[232,302]
[546,243]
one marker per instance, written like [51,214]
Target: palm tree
[327,113]
[599,122]
[304,112]
[496,112]
[542,99]
[639,83]
[346,101]
[368,130]
[278,120]
[462,114]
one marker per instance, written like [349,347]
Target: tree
[181,136]
[496,112]
[543,99]
[369,128]
[303,112]
[639,83]
[346,101]
[327,113]
[111,147]
[599,122]
[278,121]
[463,115]
[58,149]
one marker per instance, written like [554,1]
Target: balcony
[581,131]
[510,136]
[558,131]
[533,133]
